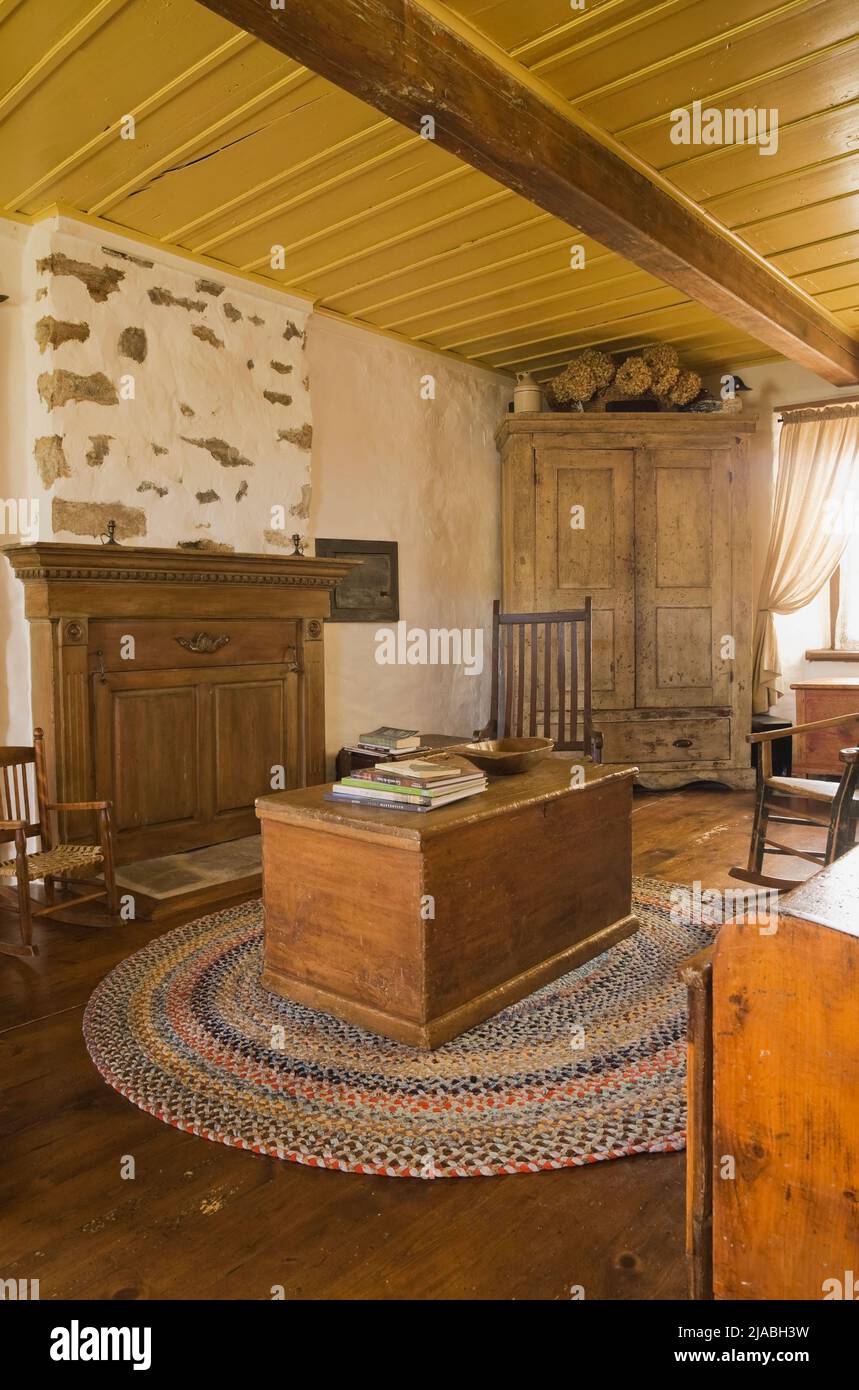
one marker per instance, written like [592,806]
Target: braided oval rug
[588,1068]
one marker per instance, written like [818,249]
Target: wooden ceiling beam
[415,58]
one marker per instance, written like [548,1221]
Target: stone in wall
[292,332]
[277,538]
[209,287]
[129,256]
[186,410]
[100,449]
[59,387]
[302,436]
[206,335]
[302,509]
[215,547]
[91,518]
[232,313]
[225,454]
[101,281]
[208,496]
[158,449]
[168,300]
[282,367]
[147,486]
[242,490]
[51,459]
[256,321]
[278,397]
[132,343]
[51,332]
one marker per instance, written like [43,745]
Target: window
[844,600]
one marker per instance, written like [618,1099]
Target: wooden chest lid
[548,781]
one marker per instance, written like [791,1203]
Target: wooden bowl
[506,755]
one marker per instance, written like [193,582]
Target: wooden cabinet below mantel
[176,684]
[649,515]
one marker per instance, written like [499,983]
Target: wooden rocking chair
[546,646]
[19,768]
[836,805]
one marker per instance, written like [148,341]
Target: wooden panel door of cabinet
[250,744]
[683,577]
[148,737]
[184,754]
[585,545]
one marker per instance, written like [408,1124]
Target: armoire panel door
[683,577]
[585,545]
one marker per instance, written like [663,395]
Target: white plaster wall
[772,385]
[15,720]
[388,465]
[215,382]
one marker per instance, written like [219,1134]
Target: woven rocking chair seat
[62,859]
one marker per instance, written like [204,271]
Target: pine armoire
[649,514]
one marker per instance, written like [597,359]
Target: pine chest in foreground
[418,927]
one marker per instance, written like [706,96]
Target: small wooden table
[418,926]
[816,754]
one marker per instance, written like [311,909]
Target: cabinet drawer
[666,740]
[165,644]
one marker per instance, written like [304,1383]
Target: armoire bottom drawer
[666,740]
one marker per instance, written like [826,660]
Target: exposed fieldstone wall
[142,398]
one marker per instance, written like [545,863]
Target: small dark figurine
[298,547]
[110,537]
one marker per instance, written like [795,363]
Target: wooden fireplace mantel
[173,681]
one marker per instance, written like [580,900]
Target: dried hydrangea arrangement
[685,389]
[592,375]
[601,365]
[664,363]
[632,377]
[576,382]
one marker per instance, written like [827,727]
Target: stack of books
[386,739]
[421,784]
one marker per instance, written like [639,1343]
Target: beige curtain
[816,493]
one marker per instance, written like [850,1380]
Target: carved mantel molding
[64,580]
[63,561]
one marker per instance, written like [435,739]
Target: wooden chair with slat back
[831,806]
[537,659]
[27,814]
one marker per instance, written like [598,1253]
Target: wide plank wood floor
[203,1221]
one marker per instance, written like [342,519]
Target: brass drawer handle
[290,658]
[203,642]
[682,743]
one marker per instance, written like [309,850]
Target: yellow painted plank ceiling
[238,149]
